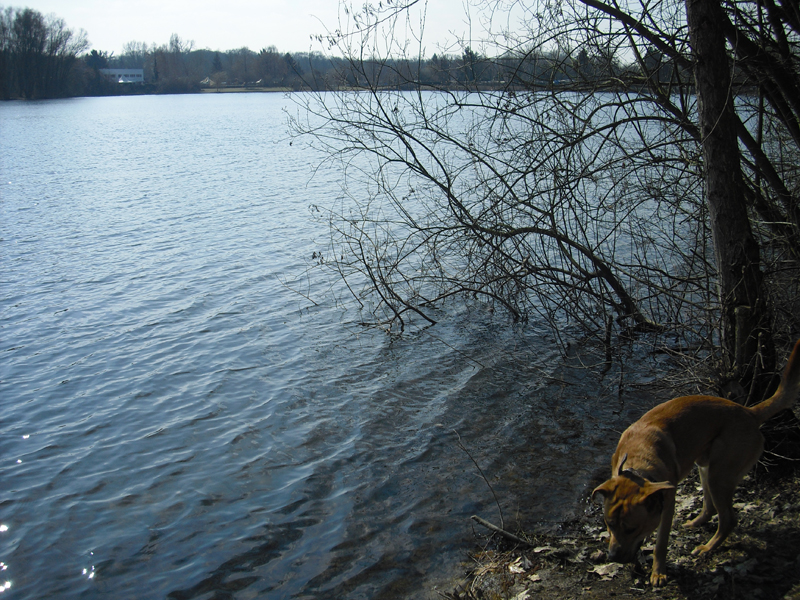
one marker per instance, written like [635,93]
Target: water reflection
[4,585]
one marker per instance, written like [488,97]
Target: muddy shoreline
[760,560]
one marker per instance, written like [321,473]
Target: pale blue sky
[230,24]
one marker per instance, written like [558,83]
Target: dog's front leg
[658,577]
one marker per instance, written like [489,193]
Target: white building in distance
[124,75]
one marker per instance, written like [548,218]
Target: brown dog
[658,451]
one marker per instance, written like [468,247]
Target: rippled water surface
[178,422]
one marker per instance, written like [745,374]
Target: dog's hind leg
[709,510]
[729,461]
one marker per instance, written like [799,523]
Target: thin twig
[296,291]
[489,485]
[502,532]
[469,358]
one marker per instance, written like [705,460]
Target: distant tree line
[179,67]
[40,57]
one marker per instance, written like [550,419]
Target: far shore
[241,89]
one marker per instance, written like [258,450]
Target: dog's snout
[617,553]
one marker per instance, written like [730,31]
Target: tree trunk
[746,336]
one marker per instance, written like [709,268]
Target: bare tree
[745,319]
[134,55]
[37,54]
[572,189]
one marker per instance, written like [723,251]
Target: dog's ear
[652,499]
[651,488]
[605,490]
[622,464]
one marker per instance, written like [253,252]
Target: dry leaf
[516,566]
[606,571]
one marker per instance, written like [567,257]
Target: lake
[189,410]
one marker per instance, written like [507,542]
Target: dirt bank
[760,560]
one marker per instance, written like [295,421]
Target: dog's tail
[786,393]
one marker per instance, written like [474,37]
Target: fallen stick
[502,532]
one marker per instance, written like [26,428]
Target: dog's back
[680,432]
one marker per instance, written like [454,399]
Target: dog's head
[632,510]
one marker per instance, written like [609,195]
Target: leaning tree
[615,166]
